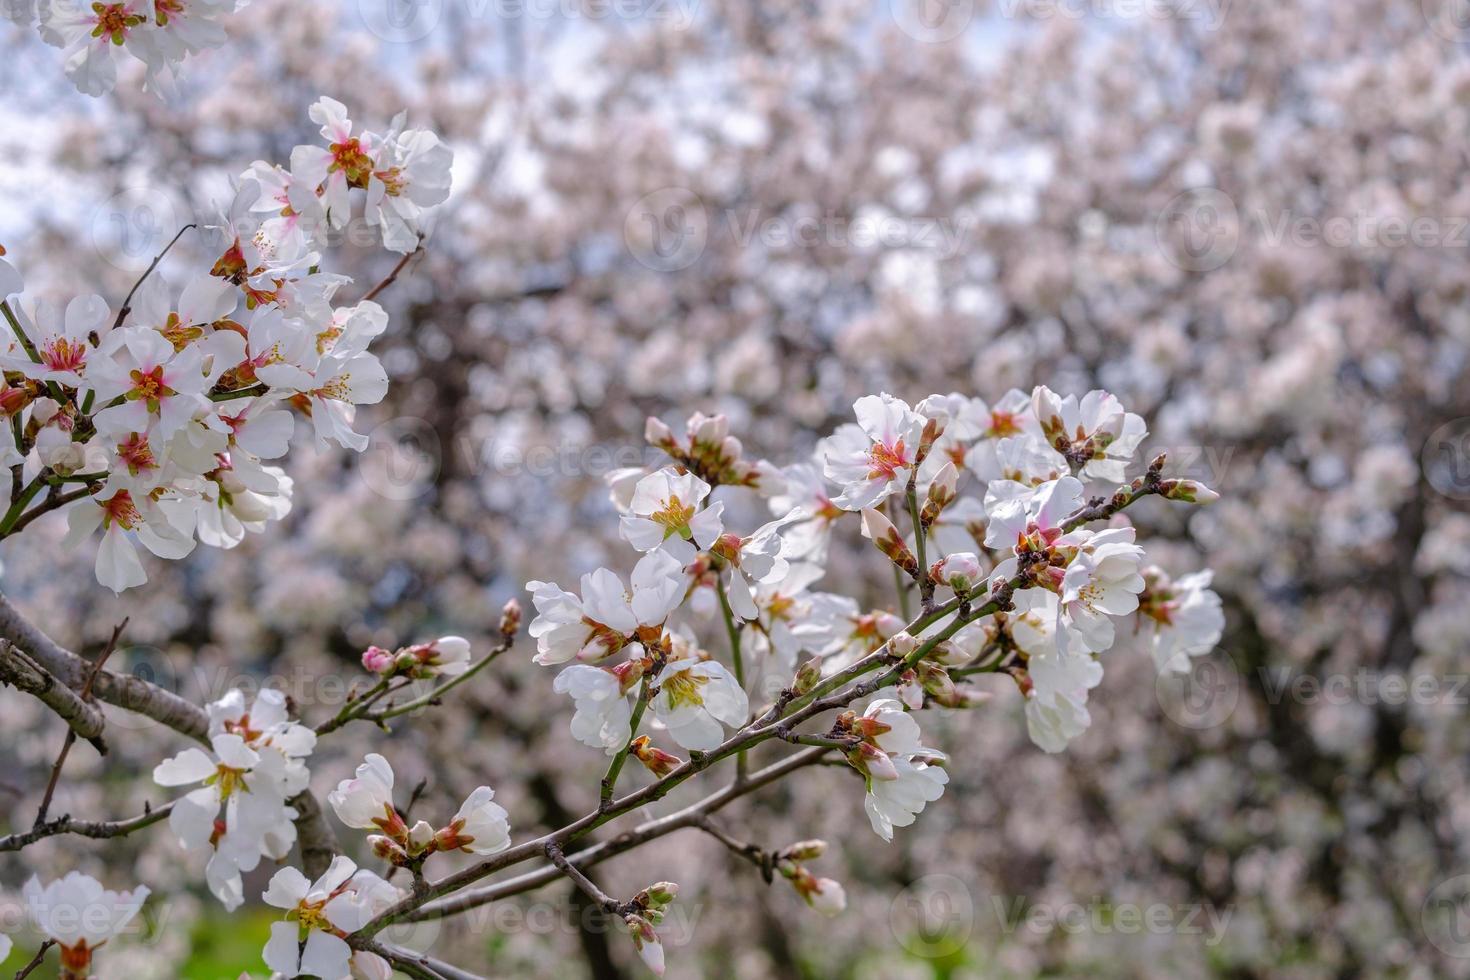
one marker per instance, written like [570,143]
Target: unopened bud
[709,429]
[510,618]
[942,492]
[881,532]
[807,677]
[661,893]
[960,571]
[654,759]
[377,660]
[420,836]
[872,762]
[933,429]
[903,643]
[1188,491]
[806,850]
[936,681]
[386,850]
[658,434]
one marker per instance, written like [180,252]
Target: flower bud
[645,940]
[903,643]
[942,492]
[881,532]
[660,894]
[806,850]
[808,675]
[960,571]
[658,434]
[510,618]
[1188,491]
[654,759]
[709,429]
[378,661]
[872,762]
[385,849]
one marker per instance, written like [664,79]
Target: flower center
[683,689]
[674,517]
[135,451]
[63,354]
[348,157]
[885,460]
[114,20]
[120,509]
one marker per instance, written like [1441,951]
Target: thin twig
[71,733]
[589,888]
[97,830]
[392,276]
[26,970]
[126,308]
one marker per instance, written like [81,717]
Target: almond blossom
[667,512]
[309,942]
[1182,618]
[693,700]
[872,459]
[80,916]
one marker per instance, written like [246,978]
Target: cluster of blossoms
[365,802]
[95,36]
[1044,589]
[156,424]
[256,763]
[1002,579]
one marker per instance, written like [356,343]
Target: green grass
[224,945]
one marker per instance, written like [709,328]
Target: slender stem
[902,586]
[36,960]
[741,763]
[7,523]
[127,303]
[393,275]
[926,587]
[609,781]
[433,697]
[587,885]
[71,734]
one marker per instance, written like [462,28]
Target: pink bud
[377,660]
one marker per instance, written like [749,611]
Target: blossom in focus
[897,802]
[481,826]
[366,801]
[307,942]
[666,512]
[603,714]
[873,458]
[694,698]
[608,615]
